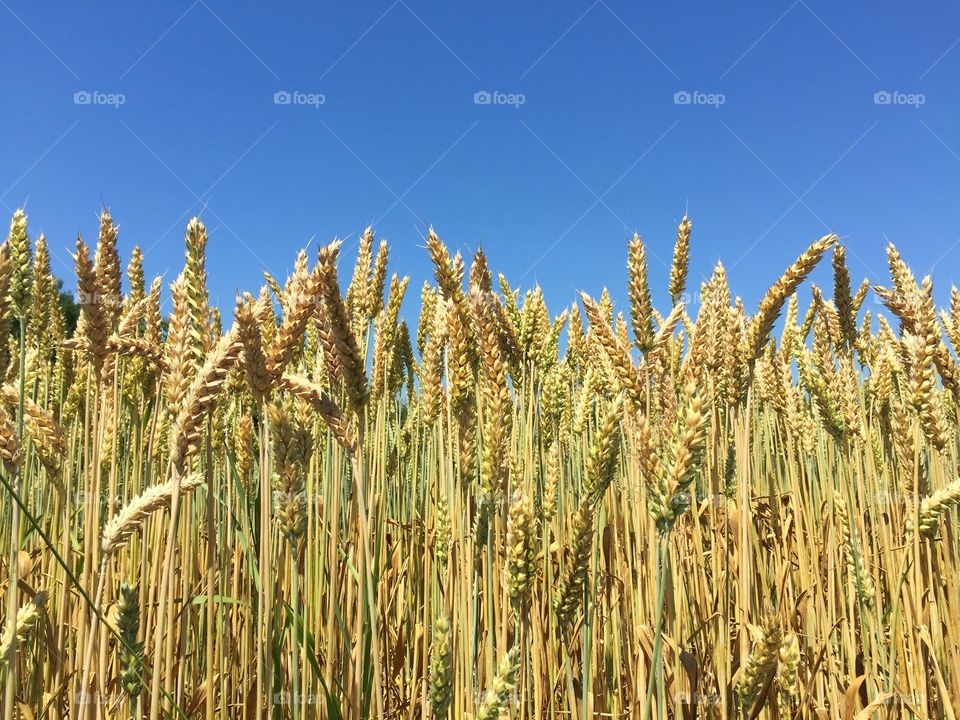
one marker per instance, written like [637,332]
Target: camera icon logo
[282,97]
[682,97]
[482,97]
[82,97]
[882,97]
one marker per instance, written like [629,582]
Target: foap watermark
[893,498]
[81,498]
[691,299]
[898,97]
[286,698]
[298,97]
[510,700]
[696,97]
[697,698]
[97,97]
[496,97]
[915,699]
[97,698]
[97,298]
[303,299]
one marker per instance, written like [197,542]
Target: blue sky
[587,136]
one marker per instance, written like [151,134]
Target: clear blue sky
[552,188]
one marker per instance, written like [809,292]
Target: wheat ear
[121,527]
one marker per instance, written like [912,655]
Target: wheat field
[314,509]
